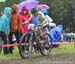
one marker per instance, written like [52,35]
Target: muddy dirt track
[66,58]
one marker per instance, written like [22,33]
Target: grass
[15,55]
[64,49]
[61,49]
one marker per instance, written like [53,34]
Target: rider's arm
[27,21]
[44,23]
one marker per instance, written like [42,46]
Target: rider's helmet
[44,11]
[34,11]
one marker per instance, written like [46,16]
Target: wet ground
[66,58]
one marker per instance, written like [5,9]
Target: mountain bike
[32,41]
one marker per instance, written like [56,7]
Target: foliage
[62,49]
[62,11]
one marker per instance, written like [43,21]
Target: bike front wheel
[25,46]
[45,44]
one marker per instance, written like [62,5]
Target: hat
[14,6]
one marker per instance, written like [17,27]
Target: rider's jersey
[41,18]
[44,19]
[48,19]
[31,27]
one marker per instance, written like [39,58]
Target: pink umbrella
[41,6]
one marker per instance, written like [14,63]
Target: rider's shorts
[31,27]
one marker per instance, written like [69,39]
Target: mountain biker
[35,20]
[43,21]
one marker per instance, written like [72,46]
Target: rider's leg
[40,30]
[28,41]
[34,41]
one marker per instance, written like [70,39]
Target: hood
[14,6]
[60,26]
[25,9]
[59,29]
[7,11]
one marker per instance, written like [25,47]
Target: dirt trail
[66,58]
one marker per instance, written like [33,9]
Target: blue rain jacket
[5,21]
[55,32]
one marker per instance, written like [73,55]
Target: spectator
[5,27]
[15,25]
[56,32]
[25,17]
[26,20]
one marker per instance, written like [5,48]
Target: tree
[63,12]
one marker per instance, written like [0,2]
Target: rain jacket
[24,18]
[15,22]
[5,21]
[55,32]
